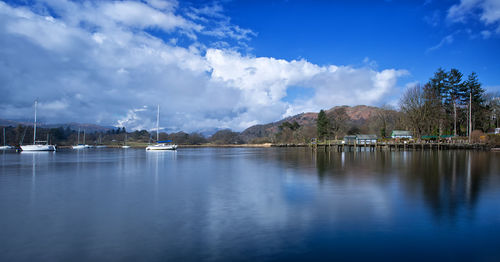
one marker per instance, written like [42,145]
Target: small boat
[125,145]
[39,146]
[5,147]
[161,145]
[81,146]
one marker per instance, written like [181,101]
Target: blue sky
[231,64]
[401,34]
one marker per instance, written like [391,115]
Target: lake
[249,204]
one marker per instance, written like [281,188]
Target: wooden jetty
[389,146]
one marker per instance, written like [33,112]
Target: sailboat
[39,146]
[161,145]
[5,147]
[125,145]
[78,145]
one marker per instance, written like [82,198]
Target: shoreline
[337,147]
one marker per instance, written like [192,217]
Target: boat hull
[161,147]
[38,148]
[6,147]
[79,147]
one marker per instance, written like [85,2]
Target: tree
[322,125]
[435,92]
[454,92]
[386,120]
[472,90]
[492,101]
[413,105]
[339,121]
[226,136]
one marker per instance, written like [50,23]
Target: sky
[231,64]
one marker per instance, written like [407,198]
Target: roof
[401,133]
[366,137]
[350,137]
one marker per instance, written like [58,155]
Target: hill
[356,119]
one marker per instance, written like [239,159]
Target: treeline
[449,104]
[65,136]
[336,123]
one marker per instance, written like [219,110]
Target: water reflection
[275,204]
[449,181]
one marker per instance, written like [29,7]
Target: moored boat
[5,146]
[161,145]
[39,146]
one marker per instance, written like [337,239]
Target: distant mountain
[90,128]
[208,131]
[358,115]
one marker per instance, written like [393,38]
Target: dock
[389,146]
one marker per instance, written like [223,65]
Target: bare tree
[413,105]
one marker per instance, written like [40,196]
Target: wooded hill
[343,120]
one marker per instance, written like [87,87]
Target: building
[366,139]
[351,139]
[360,139]
[497,130]
[401,134]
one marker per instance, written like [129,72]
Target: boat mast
[78,139]
[34,125]
[4,136]
[84,136]
[470,117]
[157,124]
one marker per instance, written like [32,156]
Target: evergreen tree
[435,94]
[438,84]
[322,125]
[453,87]
[472,89]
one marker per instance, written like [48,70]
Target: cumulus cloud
[91,63]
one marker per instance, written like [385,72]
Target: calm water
[249,205]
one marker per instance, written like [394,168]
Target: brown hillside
[357,114]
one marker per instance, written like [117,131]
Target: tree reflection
[449,182]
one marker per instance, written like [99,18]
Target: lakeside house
[350,139]
[401,134]
[360,139]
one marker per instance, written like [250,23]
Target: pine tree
[322,125]
[472,88]
[436,93]
[453,87]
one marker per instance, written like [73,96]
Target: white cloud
[487,11]
[91,63]
[140,15]
[445,41]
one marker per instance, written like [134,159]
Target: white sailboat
[39,146]
[81,146]
[78,145]
[161,145]
[125,145]
[5,147]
